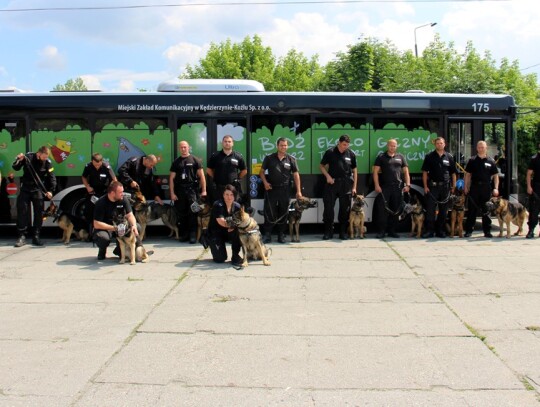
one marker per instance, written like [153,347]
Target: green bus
[121,125]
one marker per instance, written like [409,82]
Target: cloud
[3,71]
[120,80]
[183,53]
[51,59]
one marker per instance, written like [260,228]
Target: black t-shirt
[534,165]
[98,179]
[226,167]
[186,170]
[391,168]
[134,170]
[279,171]
[481,169]
[219,210]
[439,167]
[106,210]
[340,165]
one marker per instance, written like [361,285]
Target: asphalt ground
[394,322]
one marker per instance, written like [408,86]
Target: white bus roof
[210,85]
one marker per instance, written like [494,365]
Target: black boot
[343,232]
[530,235]
[36,241]
[281,237]
[102,253]
[267,237]
[21,241]
[328,231]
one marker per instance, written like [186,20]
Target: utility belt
[278,186]
[190,185]
[438,184]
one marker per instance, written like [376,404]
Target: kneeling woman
[220,230]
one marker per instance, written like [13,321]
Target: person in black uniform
[138,173]
[278,169]
[338,166]
[185,179]
[439,179]
[480,172]
[387,171]
[96,177]
[533,190]
[221,231]
[38,181]
[226,167]
[108,207]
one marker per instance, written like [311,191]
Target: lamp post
[415,44]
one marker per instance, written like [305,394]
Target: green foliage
[72,85]
[372,65]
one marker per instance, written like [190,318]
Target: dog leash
[34,175]
[390,211]
[276,221]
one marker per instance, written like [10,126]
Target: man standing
[480,172]
[185,179]
[439,178]
[109,207]
[226,167]
[97,176]
[277,172]
[338,166]
[38,181]
[387,177]
[533,190]
[138,173]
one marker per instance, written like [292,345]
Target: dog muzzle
[195,207]
[121,229]
[94,199]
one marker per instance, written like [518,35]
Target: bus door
[461,143]
[463,137]
[12,142]
[205,136]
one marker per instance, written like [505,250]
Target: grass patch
[533,328]
[134,279]
[527,385]
[475,333]
[223,298]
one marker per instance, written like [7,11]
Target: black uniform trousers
[103,238]
[389,203]
[276,209]
[187,219]
[24,200]
[479,194]
[340,189]
[217,241]
[438,196]
[534,206]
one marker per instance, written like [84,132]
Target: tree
[295,72]
[72,85]
[247,60]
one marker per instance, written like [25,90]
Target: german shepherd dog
[204,209]
[356,217]
[128,241]
[416,210]
[250,238]
[295,215]
[168,216]
[68,223]
[457,214]
[141,210]
[507,213]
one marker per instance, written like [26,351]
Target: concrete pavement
[440,322]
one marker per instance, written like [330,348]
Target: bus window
[326,133]
[267,129]
[460,143]
[414,136]
[120,139]
[195,133]
[494,136]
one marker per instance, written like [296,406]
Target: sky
[123,50]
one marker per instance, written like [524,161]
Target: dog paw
[132,263]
